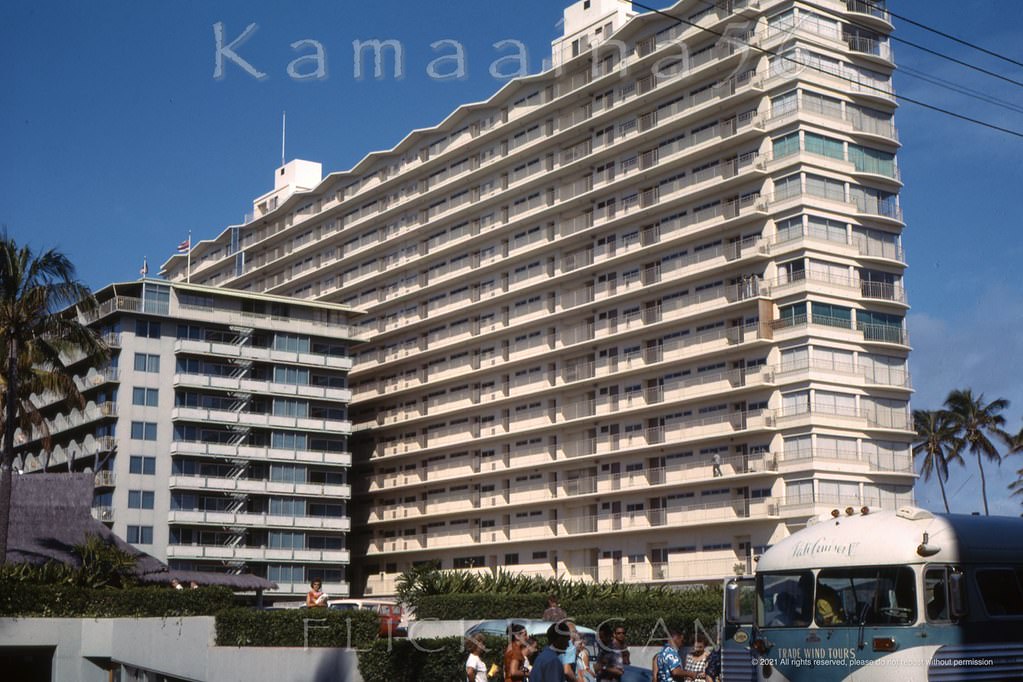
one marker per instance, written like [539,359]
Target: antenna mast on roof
[284,129]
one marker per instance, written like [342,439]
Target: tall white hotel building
[583,293]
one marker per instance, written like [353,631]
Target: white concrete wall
[178,647]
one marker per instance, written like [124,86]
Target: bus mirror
[957,595]
[733,611]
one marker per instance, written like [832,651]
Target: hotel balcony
[245,352]
[824,458]
[240,385]
[248,485]
[260,419]
[226,519]
[839,329]
[250,452]
[696,515]
[335,590]
[262,554]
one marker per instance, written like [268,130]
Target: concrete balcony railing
[238,384]
[246,352]
[248,485]
[227,519]
[243,553]
[880,462]
[249,452]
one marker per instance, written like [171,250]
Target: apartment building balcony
[238,318]
[104,514]
[70,421]
[847,461]
[872,12]
[251,485]
[246,352]
[260,419]
[227,519]
[814,369]
[257,453]
[339,589]
[405,510]
[105,479]
[243,385]
[682,569]
[841,286]
[261,554]
[88,447]
[838,328]
[826,414]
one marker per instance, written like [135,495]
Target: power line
[961,89]
[772,53]
[941,33]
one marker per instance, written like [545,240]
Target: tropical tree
[36,339]
[977,423]
[937,444]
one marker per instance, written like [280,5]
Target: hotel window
[140,535]
[824,146]
[143,430]
[145,362]
[140,499]
[148,397]
[784,146]
[148,329]
[138,464]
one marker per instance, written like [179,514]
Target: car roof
[534,626]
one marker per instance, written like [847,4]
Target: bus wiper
[860,643]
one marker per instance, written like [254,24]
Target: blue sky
[116,140]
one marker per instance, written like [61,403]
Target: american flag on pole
[185,246]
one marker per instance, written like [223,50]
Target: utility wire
[942,33]
[961,89]
[772,53]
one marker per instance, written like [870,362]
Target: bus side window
[1001,590]
[936,593]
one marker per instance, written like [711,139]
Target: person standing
[583,665]
[316,596]
[553,613]
[475,668]
[548,666]
[716,460]
[515,654]
[613,654]
[695,666]
[668,662]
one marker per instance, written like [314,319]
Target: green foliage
[290,627]
[102,565]
[60,600]
[437,660]
[426,581]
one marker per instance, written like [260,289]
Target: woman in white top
[475,668]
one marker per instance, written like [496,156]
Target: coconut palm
[937,443]
[977,423]
[34,289]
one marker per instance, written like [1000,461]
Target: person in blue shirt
[548,666]
[668,664]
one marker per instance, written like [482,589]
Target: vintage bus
[865,594]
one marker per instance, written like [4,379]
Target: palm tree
[34,290]
[938,444]
[976,423]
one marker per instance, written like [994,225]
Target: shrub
[290,627]
[438,660]
[67,600]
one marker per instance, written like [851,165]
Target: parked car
[534,628]
[390,613]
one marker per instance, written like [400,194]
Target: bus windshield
[785,599]
[875,595]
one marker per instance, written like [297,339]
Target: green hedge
[56,601]
[288,627]
[435,660]
[685,605]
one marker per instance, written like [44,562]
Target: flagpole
[188,267]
